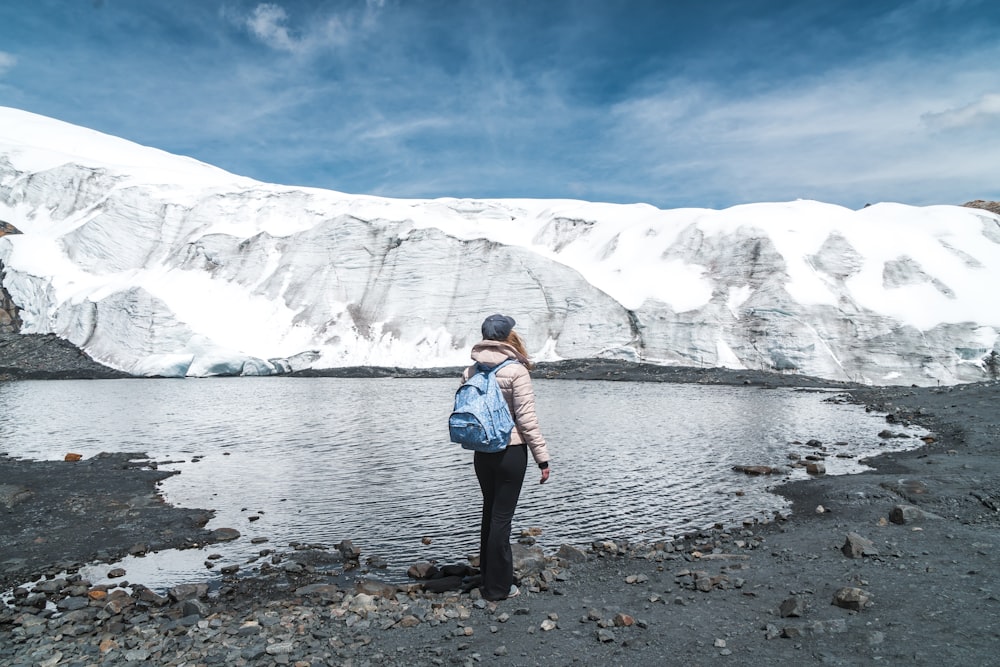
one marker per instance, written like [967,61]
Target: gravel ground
[907,550]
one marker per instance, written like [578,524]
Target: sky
[701,103]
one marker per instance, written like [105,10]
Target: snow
[225,274]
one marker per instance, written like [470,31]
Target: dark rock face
[991,206]
[7,228]
[10,317]
[47,357]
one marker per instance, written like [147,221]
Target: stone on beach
[856,546]
[855,599]
[527,559]
[816,468]
[225,535]
[422,570]
[754,470]
[903,514]
[375,588]
[348,550]
[793,606]
[187,592]
[571,554]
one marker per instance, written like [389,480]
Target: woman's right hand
[545,475]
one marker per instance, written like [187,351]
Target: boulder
[527,560]
[856,546]
[224,535]
[321,590]
[457,570]
[443,584]
[375,588]
[422,570]
[348,550]
[855,599]
[792,607]
[753,470]
[187,592]
[903,514]
[571,554]
[623,620]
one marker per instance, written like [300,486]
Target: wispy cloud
[775,100]
[7,62]
[272,25]
[855,134]
[982,111]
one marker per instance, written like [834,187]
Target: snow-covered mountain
[162,265]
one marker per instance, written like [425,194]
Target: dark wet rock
[443,584]
[754,470]
[348,550]
[148,595]
[457,570]
[194,607]
[224,535]
[187,592]
[377,562]
[319,589]
[571,554]
[72,603]
[423,570]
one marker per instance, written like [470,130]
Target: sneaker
[512,593]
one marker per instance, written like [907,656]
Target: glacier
[161,265]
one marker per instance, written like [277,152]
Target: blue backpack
[481,420]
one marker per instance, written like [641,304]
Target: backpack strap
[489,371]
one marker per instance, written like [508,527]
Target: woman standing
[502,474]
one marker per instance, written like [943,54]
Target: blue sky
[675,103]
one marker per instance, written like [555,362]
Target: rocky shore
[893,566]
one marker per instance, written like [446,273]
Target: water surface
[320,460]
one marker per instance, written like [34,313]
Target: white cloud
[7,62]
[267,23]
[849,136]
[272,25]
[985,109]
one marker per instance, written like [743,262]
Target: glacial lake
[320,460]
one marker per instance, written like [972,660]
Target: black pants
[500,478]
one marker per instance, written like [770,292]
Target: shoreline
[711,596]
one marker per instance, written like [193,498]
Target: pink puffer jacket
[515,383]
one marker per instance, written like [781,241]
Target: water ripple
[324,459]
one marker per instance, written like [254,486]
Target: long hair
[517,343]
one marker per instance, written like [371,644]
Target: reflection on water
[319,460]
